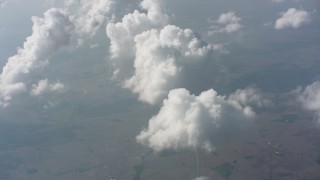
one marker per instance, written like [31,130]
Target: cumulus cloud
[161,56]
[88,16]
[187,121]
[229,20]
[155,11]
[122,34]
[310,97]
[92,14]
[49,34]
[149,55]
[44,86]
[292,18]
[250,96]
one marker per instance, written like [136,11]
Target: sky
[194,67]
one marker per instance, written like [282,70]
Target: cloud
[95,45]
[68,2]
[292,18]
[161,58]
[155,11]
[3,3]
[92,14]
[88,16]
[310,98]
[229,20]
[250,96]
[44,86]
[201,178]
[122,34]
[49,35]
[149,56]
[187,121]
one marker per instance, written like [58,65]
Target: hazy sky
[199,64]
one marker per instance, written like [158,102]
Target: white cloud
[122,34]
[155,11]
[49,34]
[92,14]
[149,55]
[250,96]
[186,121]
[44,86]
[229,17]
[161,56]
[310,98]
[88,16]
[201,178]
[229,20]
[292,18]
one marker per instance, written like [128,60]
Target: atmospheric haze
[125,84]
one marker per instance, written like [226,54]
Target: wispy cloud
[3,3]
[278,1]
[44,86]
